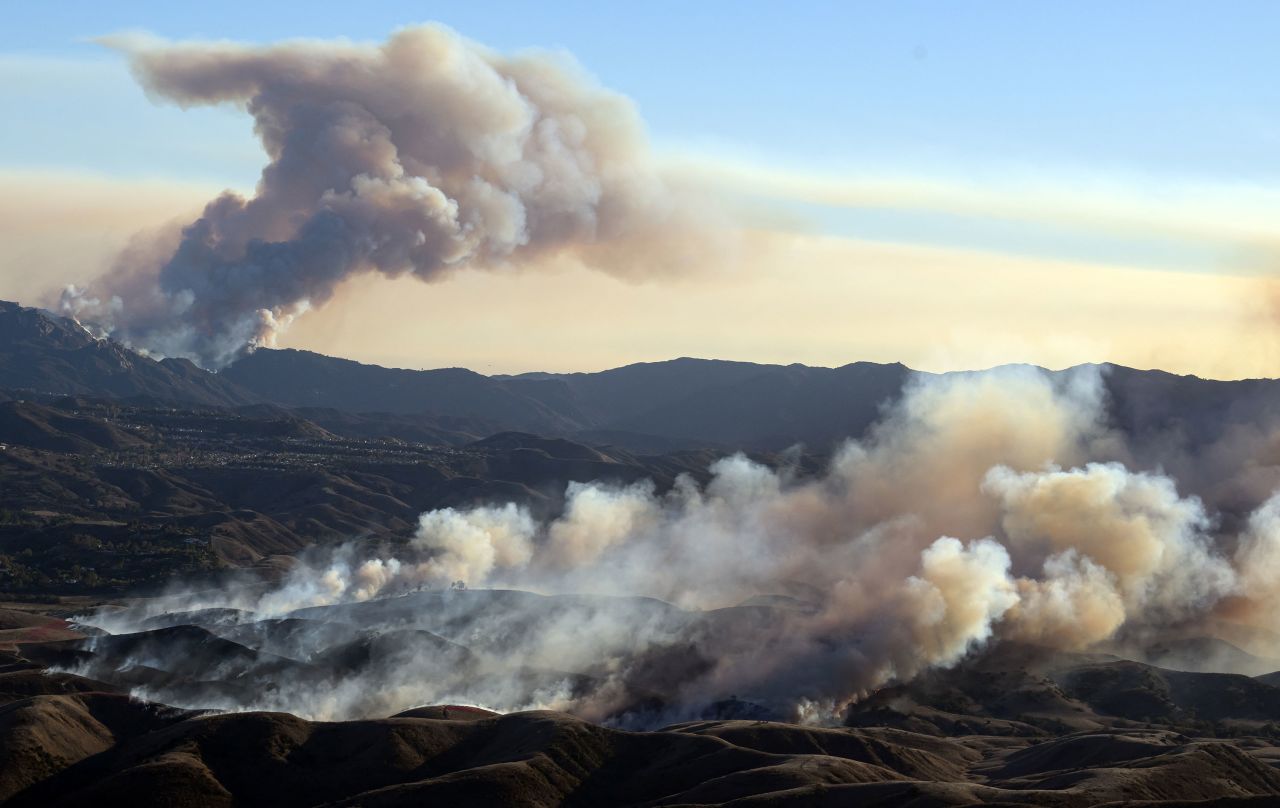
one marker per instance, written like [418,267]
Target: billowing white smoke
[1151,543]
[416,156]
[473,544]
[950,525]
[1257,557]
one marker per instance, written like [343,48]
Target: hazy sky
[945,184]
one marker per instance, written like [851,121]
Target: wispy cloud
[796,297]
[1236,218]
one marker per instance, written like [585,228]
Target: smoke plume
[983,508]
[418,156]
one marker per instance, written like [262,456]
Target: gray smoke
[984,507]
[418,156]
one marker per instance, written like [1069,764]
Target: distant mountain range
[648,407]
[120,473]
[657,406]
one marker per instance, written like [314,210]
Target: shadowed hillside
[649,408]
[44,353]
[1016,726]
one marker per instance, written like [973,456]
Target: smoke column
[418,156]
[983,507]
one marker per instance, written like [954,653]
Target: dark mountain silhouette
[647,408]
[42,352]
[686,403]
[776,407]
[305,379]
[658,406]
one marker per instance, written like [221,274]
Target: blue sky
[1143,89]
[1142,135]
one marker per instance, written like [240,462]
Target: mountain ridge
[43,352]
[650,407]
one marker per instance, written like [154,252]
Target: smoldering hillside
[981,510]
[1011,586]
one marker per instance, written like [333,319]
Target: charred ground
[1017,725]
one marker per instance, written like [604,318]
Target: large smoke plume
[417,156]
[984,507]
